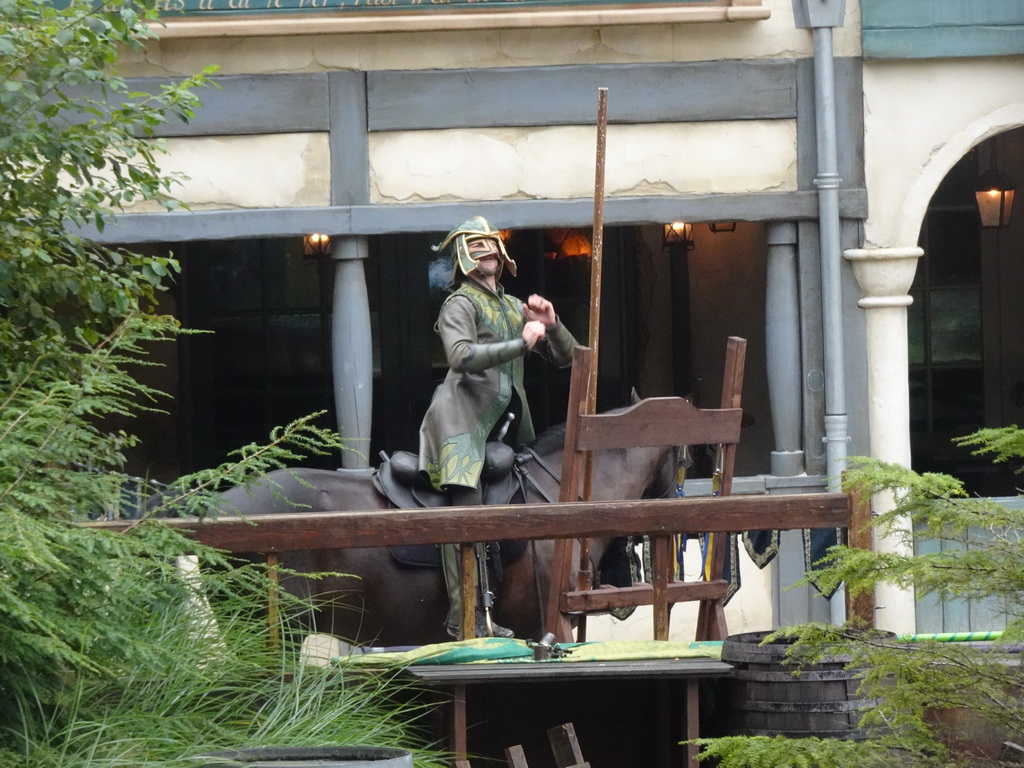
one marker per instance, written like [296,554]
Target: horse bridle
[534,456]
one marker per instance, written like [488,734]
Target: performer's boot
[450,555]
[453,623]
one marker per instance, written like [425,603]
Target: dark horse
[392,604]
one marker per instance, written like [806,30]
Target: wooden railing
[271,534]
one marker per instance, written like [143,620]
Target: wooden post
[561,564]
[274,599]
[467,588]
[861,608]
[711,613]
[594,333]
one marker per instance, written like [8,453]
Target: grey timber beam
[516,214]
[244,105]
[351,335]
[350,152]
[639,93]
[782,345]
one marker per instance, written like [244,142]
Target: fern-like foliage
[957,547]
[781,752]
[110,653]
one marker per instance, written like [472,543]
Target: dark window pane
[238,357]
[957,400]
[294,345]
[239,419]
[292,280]
[234,277]
[915,329]
[957,188]
[956,325]
[918,400]
[953,248]
[294,403]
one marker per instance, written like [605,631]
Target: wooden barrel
[768,699]
[310,757]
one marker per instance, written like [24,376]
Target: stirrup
[496,630]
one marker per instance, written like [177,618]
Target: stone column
[782,345]
[352,351]
[885,276]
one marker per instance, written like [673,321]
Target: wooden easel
[655,421]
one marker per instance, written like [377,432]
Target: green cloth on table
[492,650]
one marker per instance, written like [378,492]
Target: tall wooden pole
[594,335]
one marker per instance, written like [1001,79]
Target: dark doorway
[267,361]
[553,263]
[965,326]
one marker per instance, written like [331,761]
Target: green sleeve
[457,326]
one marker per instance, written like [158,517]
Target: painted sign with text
[227,8]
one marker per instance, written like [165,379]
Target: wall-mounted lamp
[994,193]
[575,245]
[678,234]
[316,245]
[722,226]
[995,198]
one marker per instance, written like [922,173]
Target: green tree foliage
[109,655]
[75,145]
[973,550]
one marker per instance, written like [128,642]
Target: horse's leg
[521,596]
[373,601]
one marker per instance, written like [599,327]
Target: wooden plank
[591,600]
[343,530]
[516,757]
[563,95]
[660,421]
[531,672]
[565,747]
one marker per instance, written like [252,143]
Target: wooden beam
[343,530]
[591,600]
[660,421]
[860,535]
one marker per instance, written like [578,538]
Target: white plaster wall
[920,118]
[775,37]
[558,162]
[276,171]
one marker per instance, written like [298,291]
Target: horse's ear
[634,396]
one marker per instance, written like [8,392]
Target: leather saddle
[398,479]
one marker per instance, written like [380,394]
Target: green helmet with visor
[457,242]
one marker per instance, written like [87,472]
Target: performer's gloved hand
[533,332]
[540,309]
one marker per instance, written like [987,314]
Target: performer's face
[485,255]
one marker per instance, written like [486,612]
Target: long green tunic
[482,336]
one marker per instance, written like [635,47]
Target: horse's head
[663,480]
[625,473]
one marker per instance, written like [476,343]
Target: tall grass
[219,681]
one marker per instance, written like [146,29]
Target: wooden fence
[272,534]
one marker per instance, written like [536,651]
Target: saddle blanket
[490,650]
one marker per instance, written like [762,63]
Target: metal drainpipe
[821,16]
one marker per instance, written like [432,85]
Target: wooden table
[456,677]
